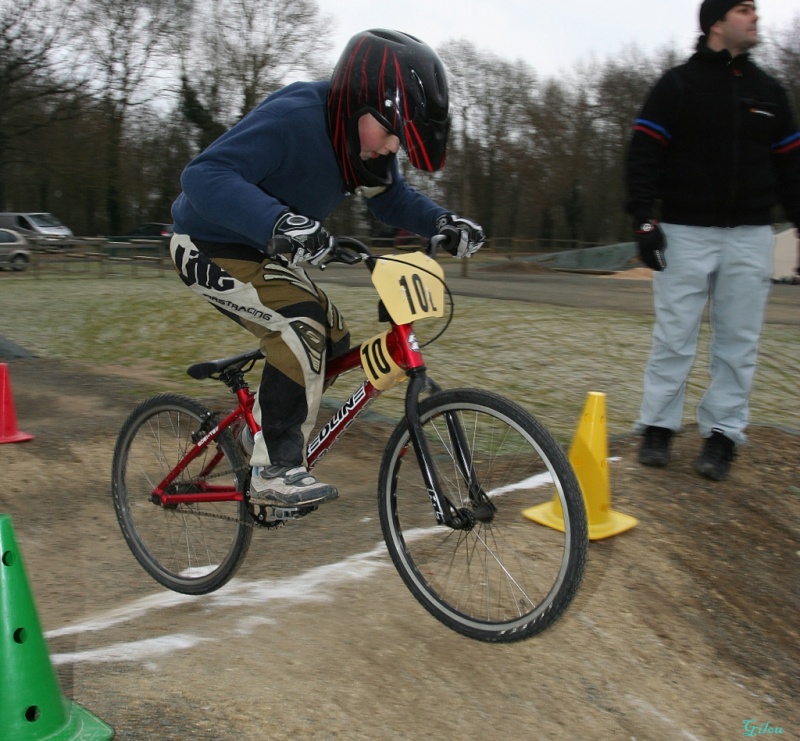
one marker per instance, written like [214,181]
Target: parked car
[14,252]
[32,224]
[151,230]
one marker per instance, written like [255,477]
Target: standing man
[713,150]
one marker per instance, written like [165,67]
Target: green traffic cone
[31,704]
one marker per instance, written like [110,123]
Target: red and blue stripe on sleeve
[790,143]
[659,133]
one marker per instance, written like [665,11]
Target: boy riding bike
[276,175]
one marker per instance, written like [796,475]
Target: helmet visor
[425,143]
[418,119]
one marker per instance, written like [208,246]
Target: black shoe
[718,454]
[655,447]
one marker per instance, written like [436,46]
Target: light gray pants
[731,268]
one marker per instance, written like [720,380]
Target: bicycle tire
[503,580]
[192,549]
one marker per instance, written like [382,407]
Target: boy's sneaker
[716,458]
[655,447]
[288,487]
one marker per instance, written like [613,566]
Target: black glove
[467,236]
[308,239]
[652,244]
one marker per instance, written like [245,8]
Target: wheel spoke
[501,578]
[185,548]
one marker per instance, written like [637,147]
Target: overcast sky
[551,36]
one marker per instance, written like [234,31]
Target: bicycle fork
[445,511]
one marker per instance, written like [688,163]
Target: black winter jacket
[714,145]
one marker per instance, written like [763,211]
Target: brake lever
[434,242]
[343,256]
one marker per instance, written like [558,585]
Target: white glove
[465,236]
[309,240]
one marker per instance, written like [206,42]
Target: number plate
[411,286]
[378,364]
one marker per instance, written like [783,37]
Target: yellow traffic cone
[31,704]
[588,455]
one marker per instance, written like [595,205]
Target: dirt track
[685,627]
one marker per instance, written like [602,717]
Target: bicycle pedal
[269,513]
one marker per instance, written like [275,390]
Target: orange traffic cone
[8,417]
[588,455]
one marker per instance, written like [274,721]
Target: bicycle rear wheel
[189,548]
[505,578]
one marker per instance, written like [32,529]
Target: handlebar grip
[279,246]
[449,239]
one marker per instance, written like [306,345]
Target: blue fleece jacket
[278,157]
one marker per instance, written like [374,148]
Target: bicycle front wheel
[502,578]
[189,548]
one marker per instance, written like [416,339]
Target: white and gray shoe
[288,487]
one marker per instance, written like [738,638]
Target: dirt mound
[727,551]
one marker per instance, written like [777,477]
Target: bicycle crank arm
[269,514]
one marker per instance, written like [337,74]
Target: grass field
[547,358]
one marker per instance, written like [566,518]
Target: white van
[34,224]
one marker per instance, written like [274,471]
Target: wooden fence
[100,257]
[97,256]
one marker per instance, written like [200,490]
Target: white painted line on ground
[315,585]
[150,648]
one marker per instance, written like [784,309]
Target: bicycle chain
[214,516]
[250,522]
[259,519]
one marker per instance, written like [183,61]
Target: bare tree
[557,129]
[528,158]
[247,49]
[36,87]
[783,57]
[618,94]
[130,47]
[490,99]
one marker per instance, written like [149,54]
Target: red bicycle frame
[404,351]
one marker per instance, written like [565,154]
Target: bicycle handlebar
[349,250]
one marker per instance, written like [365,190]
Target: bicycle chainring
[261,515]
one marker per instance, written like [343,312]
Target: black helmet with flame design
[399,80]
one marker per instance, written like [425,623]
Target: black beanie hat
[712,11]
